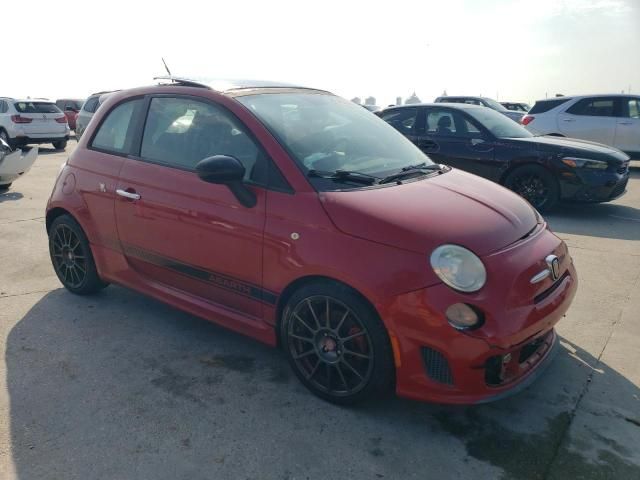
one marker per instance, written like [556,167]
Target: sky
[510,50]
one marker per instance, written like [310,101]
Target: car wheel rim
[330,346]
[532,188]
[69,257]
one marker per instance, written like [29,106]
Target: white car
[516,116]
[14,164]
[613,120]
[30,121]
[89,107]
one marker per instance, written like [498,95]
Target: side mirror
[227,170]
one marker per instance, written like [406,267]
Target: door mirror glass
[221,169]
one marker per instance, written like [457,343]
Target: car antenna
[165,66]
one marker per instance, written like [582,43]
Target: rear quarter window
[546,105]
[90,105]
[113,134]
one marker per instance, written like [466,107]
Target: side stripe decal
[218,279]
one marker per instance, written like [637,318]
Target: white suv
[89,107]
[609,119]
[24,122]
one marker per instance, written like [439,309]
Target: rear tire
[60,145]
[336,344]
[536,185]
[71,257]
[5,187]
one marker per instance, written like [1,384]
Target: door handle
[129,195]
[428,144]
[568,120]
[624,123]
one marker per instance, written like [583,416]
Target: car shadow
[8,196]
[121,386]
[605,220]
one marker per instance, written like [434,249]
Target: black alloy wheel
[336,345]
[72,258]
[535,184]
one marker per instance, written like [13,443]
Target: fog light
[463,317]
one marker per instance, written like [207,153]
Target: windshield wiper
[411,170]
[350,175]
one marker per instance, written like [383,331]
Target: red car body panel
[192,245]
[71,118]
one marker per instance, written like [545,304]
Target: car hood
[454,207]
[573,146]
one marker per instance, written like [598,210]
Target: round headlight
[459,268]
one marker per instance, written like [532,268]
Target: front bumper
[436,363]
[582,185]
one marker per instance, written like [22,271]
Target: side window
[179,132]
[112,133]
[440,122]
[91,104]
[633,108]
[450,123]
[3,106]
[402,119]
[594,107]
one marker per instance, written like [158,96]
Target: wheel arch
[526,163]
[300,282]
[55,213]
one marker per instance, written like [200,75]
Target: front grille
[619,189]
[437,366]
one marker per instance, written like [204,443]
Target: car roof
[26,100]
[236,87]
[461,106]
[591,95]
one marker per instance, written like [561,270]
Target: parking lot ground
[119,386]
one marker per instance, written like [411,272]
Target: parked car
[89,107]
[609,119]
[543,170]
[372,108]
[70,107]
[298,218]
[14,164]
[32,121]
[516,116]
[516,106]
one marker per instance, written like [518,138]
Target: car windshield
[325,133]
[498,124]
[36,107]
[495,105]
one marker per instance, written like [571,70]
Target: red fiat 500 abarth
[302,220]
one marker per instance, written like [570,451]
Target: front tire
[5,136]
[71,257]
[60,145]
[536,185]
[336,344]
[5,187]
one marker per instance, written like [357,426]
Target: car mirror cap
[221,169]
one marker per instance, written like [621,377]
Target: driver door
[452,139]
[179,231]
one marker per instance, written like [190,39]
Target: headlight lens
[459,268]
[585,163]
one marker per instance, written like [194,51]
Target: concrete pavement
[118,386]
